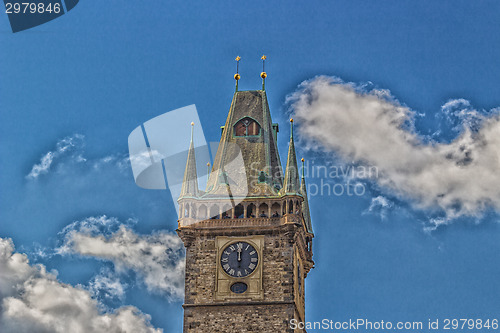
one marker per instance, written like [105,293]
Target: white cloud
[157,259]
[145,158]
[459,178]
[121,161]
[107,285]
[380,205]
[460,114]
[33,300]
[68,158]
[63,146]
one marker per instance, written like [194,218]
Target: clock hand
[239,254]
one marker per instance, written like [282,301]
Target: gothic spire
[305,202]
[190,181]
[250,134]
[291,183]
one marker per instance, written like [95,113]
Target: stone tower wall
[272,314]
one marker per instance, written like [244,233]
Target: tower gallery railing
[239,222]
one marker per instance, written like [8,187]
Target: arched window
[275,210]
[263,210]
[238,211]
[299,277]
[227,212]
[214,212]
[246,127]
[251,210]
[202,212]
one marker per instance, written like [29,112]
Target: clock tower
[248,236]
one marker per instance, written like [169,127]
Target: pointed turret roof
[190,180]
[291,183]
[305,202]
[249,133]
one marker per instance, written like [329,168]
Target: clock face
[239,259]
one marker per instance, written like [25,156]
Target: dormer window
[223,178]
[262,177]
[246,127]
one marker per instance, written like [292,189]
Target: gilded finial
[237,75]
[291,128]
[302,160]
[263,75]
[192,123]
[192,130]
[291,120]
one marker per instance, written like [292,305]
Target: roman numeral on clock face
[239,259]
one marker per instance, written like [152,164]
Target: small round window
[239,287]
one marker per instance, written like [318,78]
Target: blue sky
[85,80]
